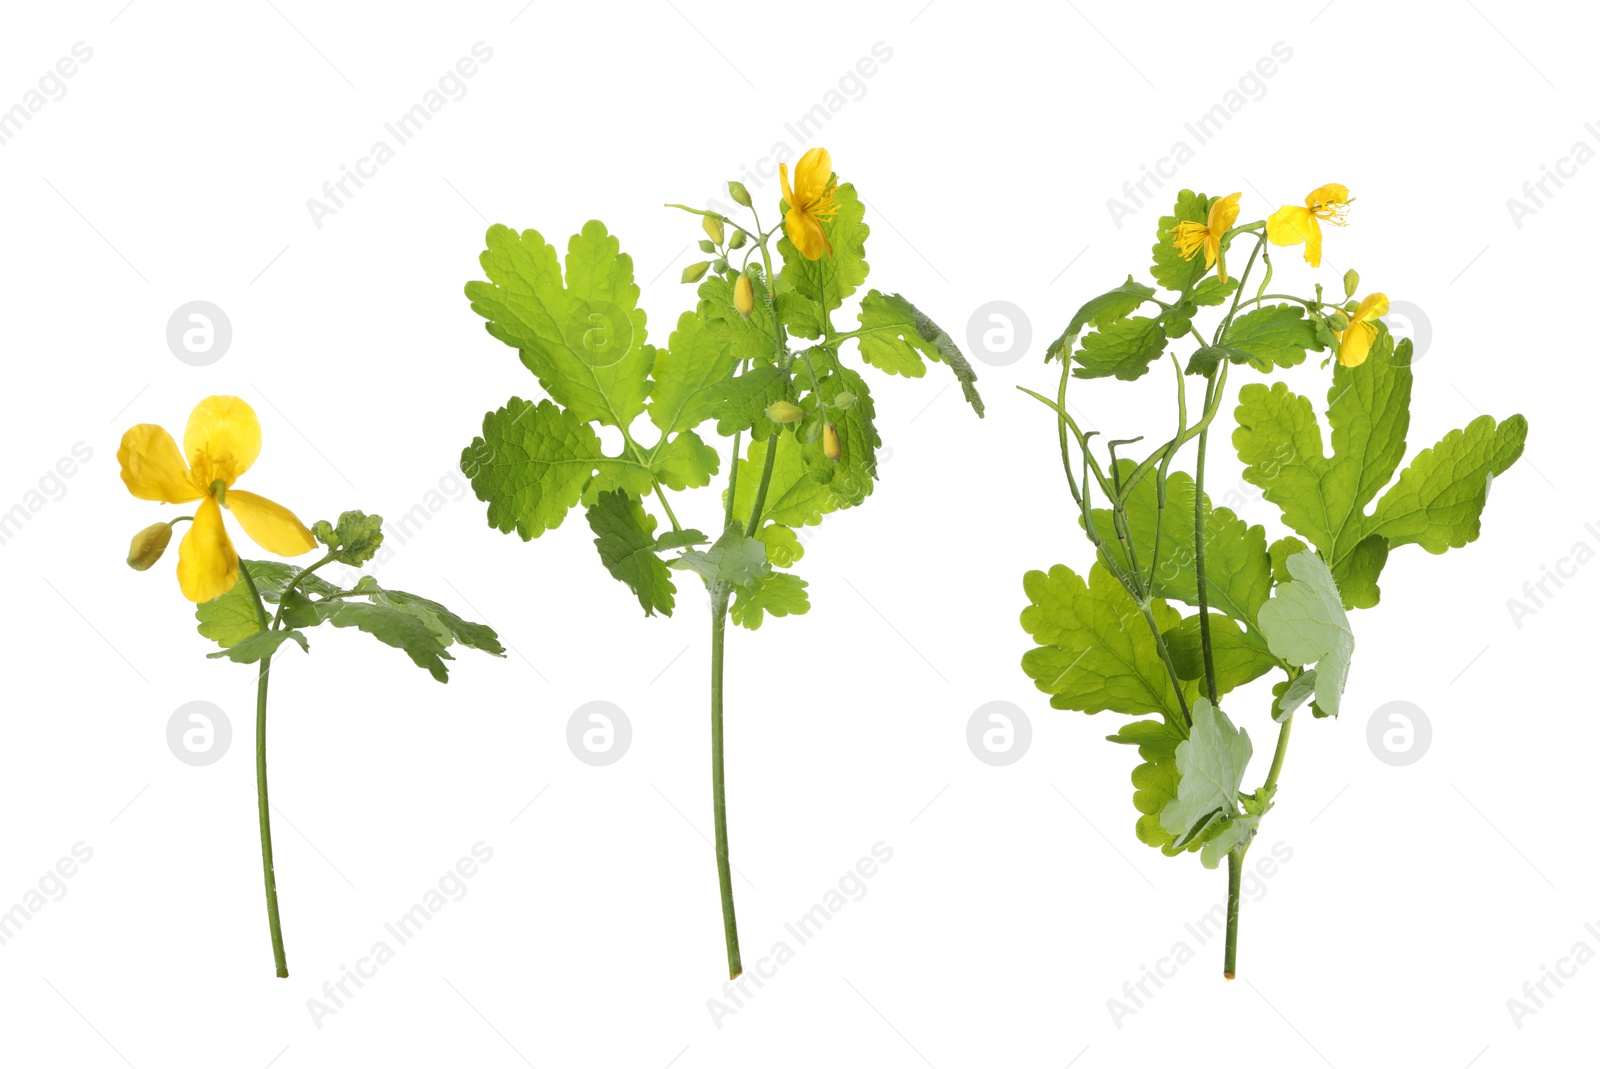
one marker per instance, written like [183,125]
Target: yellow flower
[1290,225]
[222,440]
[1356,339]
[1190,238]
[810,202]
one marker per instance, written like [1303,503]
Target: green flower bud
[148,545]
[785,412]
[740,194]
[706,246]
[1339,321]
[738,239]
[695,272]
[720,266]
[1351,281]
[713,228]
[844,401]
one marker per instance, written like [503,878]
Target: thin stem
[1271,784]
[1230,952]
[730,926]
[262,806]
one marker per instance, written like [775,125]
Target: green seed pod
[785,412]
[740,194]
[148,545]
[695,272]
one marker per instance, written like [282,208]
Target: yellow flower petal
[270,525]
[1373,306]
[152,467]
[222,440]
[1326,196]
[783,179]
[207,564]
[1355,343]
[811,176]
[1224,213]
[806,233]
[1290,225]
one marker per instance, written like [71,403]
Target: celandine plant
[1115,641]
[220,443]
[760,356]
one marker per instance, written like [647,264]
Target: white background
[177,167]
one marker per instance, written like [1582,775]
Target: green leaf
[260,646]
[1212,290]
[748,395]
[794,498]
[1171,270]
[1230,833]
[533,462]
[1276,334]
[1238,570]
[850,477]
[299,610]
[1235,658]
[354,541]
[272,578]
[691,376]
[584,338]
[895,336]
[1122,347]
[678,539]
[1098,311]
[777,593]
[625,537]
[1437,501]
[783,545]
[747,339]
[1204,360]
[230,619]
[446,625]
[1095,651]
[735,558]
[395,627]
[684,461]
[828,280]
[1211,764]
[1358,573]
[1305,624]
[1155,779]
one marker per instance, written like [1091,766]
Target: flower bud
[744,296]
[720,266]
[713,228]
[844,400]
[740,194]
[695,272]
[785,412]
[1351,281]
[738,239]
[1339,321]
[148,545]
[830,442]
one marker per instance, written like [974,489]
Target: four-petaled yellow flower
[1356,339]
[810,202]
[1190,238]
[1291,224]
[221,441]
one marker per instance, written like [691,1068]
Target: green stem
[262,806]
[1200,557]
[730,926]
[1230,952]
